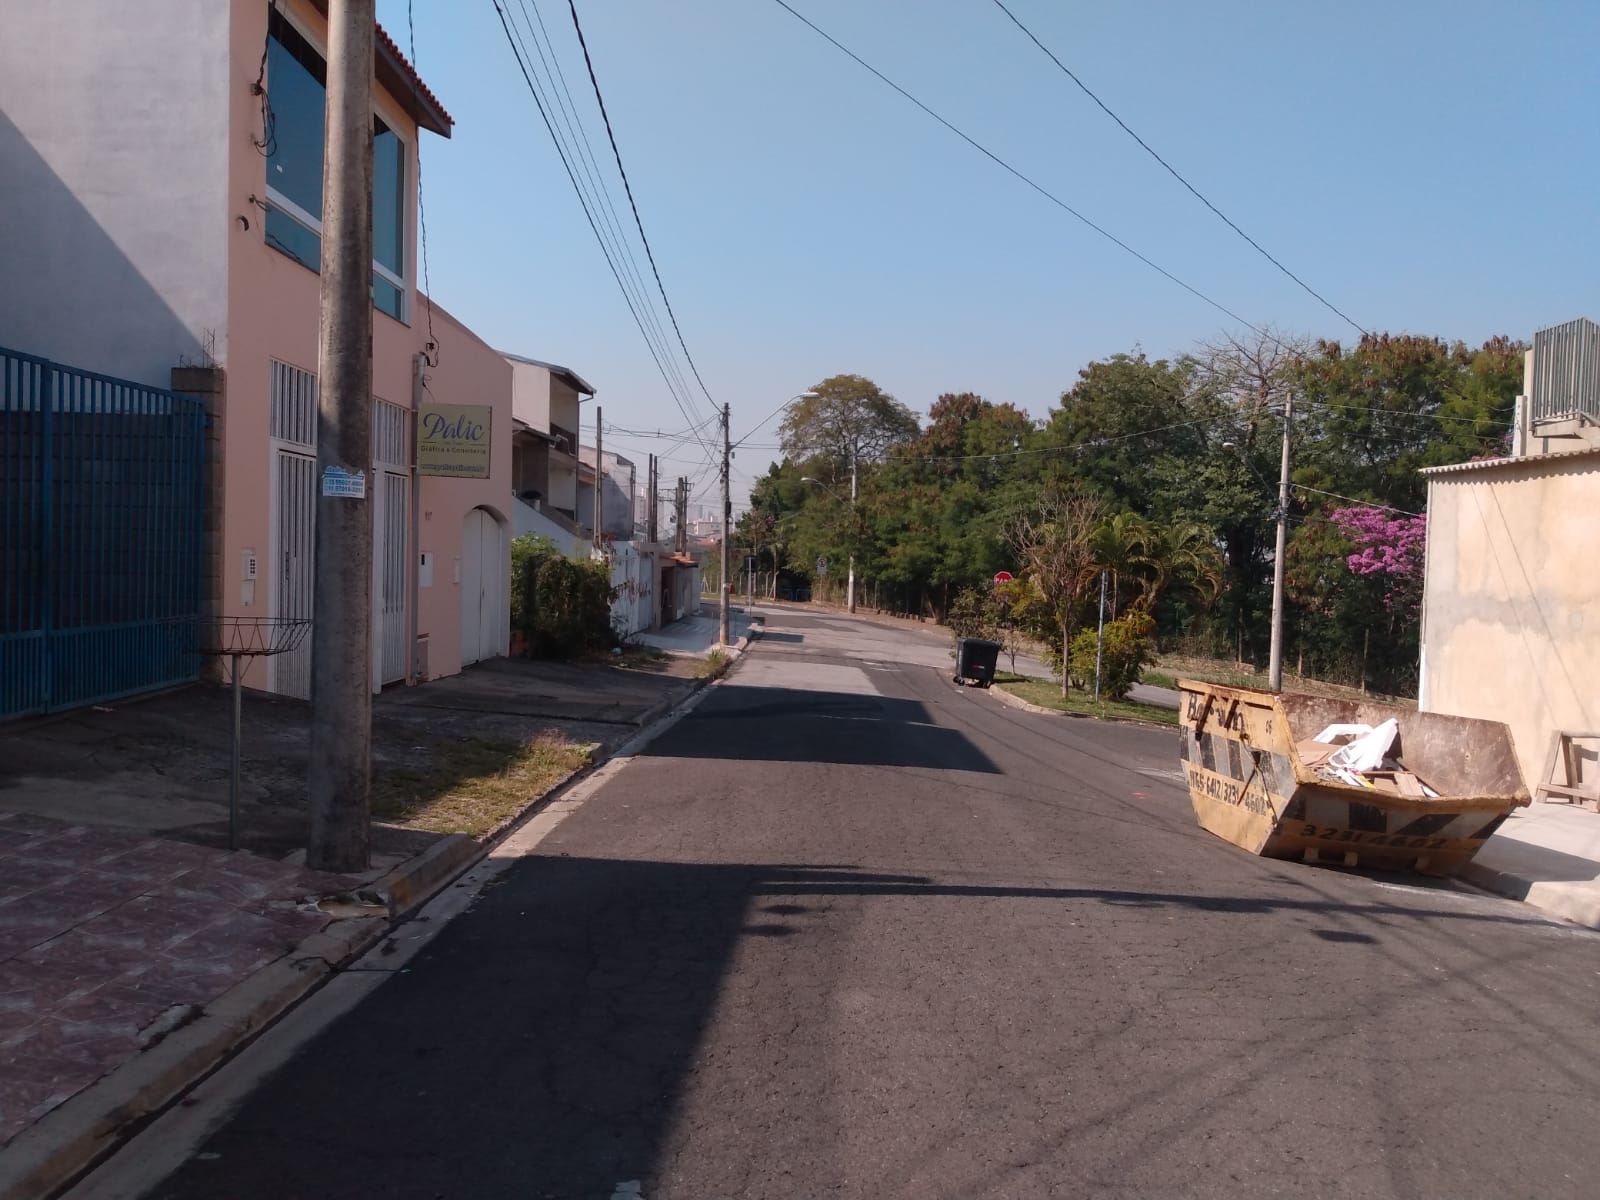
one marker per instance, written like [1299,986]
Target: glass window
[294,239]
[295,81]
[388,199]
[296,89]
[388,298]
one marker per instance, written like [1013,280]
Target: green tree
[1052,541]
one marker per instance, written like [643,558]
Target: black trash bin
[975,660]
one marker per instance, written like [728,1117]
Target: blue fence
[101,522]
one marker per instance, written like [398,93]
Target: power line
[518,51]
[583,150]
[1394,412]
[422,212]
[1038,187]
[1405,512]
[598,195]
[628,187]
[1067,71]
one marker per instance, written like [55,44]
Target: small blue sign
[342,481]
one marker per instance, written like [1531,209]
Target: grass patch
[1229,674]
[472,784]
[1046,693]
[1158,679]
[713,665]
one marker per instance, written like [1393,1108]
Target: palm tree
[1121,545]
[1184,554]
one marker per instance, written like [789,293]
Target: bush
[562,606]
[1130,646]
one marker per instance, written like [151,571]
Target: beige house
[1511,599]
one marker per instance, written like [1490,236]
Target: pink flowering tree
[1389,546]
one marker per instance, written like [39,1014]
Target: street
[847,930]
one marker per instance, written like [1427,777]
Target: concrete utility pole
[599,476]
[727,530]
[850,585]
[341,637]
[1275,656]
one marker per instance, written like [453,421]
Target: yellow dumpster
[1259,778]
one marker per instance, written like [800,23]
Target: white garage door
[485,599]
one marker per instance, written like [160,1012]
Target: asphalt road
[849,931]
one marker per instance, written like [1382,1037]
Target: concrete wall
[114,210]
[1511,608]
[469,372]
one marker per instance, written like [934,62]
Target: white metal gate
[295,554]
[389,590]
[485,613]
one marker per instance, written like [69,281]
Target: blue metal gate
[101,521]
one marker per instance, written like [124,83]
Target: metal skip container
[1242,753]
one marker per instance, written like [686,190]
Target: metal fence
[101,526]
[1566,373]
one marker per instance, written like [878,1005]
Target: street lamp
[850,586]
[1275,650]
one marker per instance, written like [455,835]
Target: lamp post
[850,585]
[1275,651]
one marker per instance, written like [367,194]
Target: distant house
[545,404]
[1511,597]
[162,224]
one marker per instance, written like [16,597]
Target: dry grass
[713,665]
[471,785]
[1170,668]
[1046,693]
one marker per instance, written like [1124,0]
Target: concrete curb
[414,880]
[70,1138]
[1578,904]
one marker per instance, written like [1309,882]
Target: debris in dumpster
[1358,755]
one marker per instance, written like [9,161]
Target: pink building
[167,221]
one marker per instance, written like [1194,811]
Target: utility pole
[1275,656]
[727,531]
[1100,637]
[850,585]
[650,502]
[599,477]
[340,755]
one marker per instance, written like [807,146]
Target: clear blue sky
[1431,166]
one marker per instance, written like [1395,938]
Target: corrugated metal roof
[1526,460]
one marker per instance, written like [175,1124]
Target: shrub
[562,606]
[1130,646]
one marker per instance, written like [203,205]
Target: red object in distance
[1003,576]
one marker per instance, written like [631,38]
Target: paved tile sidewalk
[108,939]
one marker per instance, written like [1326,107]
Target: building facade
[1511,596]
[168,218]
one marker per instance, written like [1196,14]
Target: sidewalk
[696,635]
[110,940]
[1547,855]
[126,924]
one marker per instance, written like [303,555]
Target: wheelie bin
[975,660]
[1259,778]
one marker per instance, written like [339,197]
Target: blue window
[297,94]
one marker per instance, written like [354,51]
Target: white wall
[530,394]
[114,211]
[1511,606]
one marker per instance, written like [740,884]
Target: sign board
[1003,576]
[345,482]
[453,440]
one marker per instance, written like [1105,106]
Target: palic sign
[453,440]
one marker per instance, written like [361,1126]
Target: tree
[1053,543]
[846,419]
